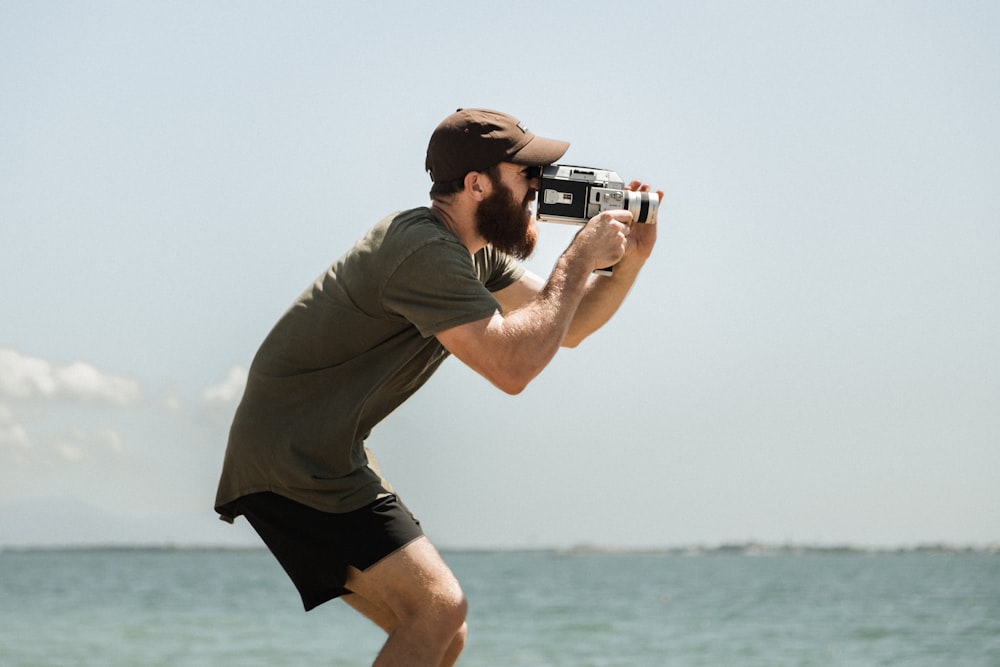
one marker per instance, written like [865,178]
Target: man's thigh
[403,585]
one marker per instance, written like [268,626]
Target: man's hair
[445,189]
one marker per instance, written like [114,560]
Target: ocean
[738,607]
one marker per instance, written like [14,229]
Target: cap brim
[539,152]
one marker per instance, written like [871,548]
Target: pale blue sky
[812,354]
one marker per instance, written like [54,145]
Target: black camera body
[573,195]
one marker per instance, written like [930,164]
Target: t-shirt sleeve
[436,288]
[498,269]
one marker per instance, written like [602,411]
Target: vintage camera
[574,195]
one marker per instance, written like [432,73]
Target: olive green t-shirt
[351,349]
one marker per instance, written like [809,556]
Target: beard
[506,224]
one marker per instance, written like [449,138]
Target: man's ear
[477,185]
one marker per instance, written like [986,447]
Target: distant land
[751,549]
[763,549]
[58,524]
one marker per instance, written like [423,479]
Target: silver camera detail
[573,195]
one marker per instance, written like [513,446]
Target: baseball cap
[477,139]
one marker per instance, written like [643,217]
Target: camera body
[573,195]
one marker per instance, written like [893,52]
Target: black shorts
[315,548]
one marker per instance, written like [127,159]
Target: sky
[811,355]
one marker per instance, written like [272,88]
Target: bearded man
[423,284]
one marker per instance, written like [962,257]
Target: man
[369,332]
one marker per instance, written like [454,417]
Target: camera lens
[642,205]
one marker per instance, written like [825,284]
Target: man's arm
[602,295]
[510,349]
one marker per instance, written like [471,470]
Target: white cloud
[13,437]
[229,390]
[66,445]
[171,402]
[82,443]
[22,376]
[71,451]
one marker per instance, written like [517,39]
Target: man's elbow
[515,378]
[511,389]
[511,384]
[572,340]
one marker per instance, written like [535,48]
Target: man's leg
[416,599]
[386,620]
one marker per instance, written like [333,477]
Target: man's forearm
[510,349]
[603,296]
[549,317]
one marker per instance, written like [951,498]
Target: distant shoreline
[736,549]
[763,549]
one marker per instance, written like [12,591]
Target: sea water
[147,607]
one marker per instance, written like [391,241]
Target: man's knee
[417,587]
[459,612]
[449,612]
[456,646]
[460,637]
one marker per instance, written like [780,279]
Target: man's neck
[460,223]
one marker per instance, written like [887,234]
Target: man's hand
[643,236]
[603,241]
[611,236]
